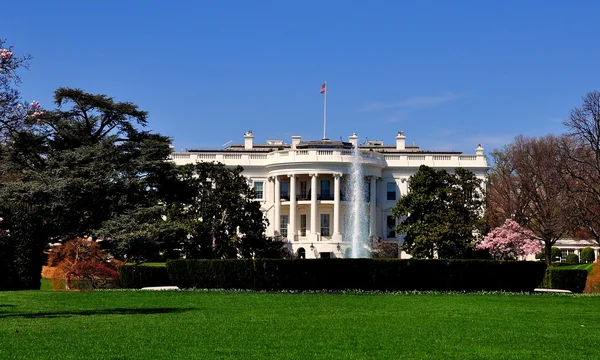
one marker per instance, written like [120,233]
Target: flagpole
[325,112]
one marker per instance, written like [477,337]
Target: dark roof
[324,144]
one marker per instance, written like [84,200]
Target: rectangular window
[303,190]
[284,226]
[325,190]
[258,189]
[391,226]
[391,191]
[367,191]
[285,190]
[303,225]
[324,224]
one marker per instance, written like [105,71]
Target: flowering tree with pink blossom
[14,113]
[510,241]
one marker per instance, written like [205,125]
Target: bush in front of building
[565,279]
[587,255]
[572,259]
[139,276]
[556,254]
[363,274]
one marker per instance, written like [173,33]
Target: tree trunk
[548,252]
[68,281]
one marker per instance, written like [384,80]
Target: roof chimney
[353,139]
[400,141]
[248,140]
[479,150]
[296,140]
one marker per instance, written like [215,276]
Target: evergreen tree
[441,214]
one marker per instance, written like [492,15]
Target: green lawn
[210,325]
[154,264]
[587,267]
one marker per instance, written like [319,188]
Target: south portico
[306,210]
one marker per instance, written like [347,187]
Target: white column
[313,207]
[277,206]
[292,226]
[372,207]
[336,208]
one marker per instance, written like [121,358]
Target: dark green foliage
[440,213]
[139,276]
[474,254]
[23,237]
[207,211]
[572,259]
[588,255]
[69,170]
[556,253]
[364,274]
[142,235]
[222,198]
[566,279]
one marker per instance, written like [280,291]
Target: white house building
[302,185]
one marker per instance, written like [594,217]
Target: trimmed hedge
[364,274]
[588,255]
[566,279]
[572,259]
[139,276]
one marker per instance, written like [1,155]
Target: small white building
[573,246]
[302,185]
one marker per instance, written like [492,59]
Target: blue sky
[450,74]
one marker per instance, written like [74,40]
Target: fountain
[357,218]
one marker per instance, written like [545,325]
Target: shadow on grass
[115,311]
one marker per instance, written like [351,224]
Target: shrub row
[364,274]
[139,276]
[566,279]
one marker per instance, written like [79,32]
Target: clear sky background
[450,74]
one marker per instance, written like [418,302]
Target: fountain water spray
[357,220]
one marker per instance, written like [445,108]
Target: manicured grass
[211,325]
[154,264]
[587,267]
[46,284]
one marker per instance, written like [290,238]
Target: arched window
[301,253]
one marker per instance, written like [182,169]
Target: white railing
[206,156]
[181,156]
[258,156]
[343,156]
[232,156]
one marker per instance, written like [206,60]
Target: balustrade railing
[317,155]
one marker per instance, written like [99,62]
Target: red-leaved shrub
[592,284]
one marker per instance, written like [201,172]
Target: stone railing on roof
[284,157]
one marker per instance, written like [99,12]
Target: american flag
[323,87]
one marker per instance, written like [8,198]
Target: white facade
[572,246]
[301,186]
